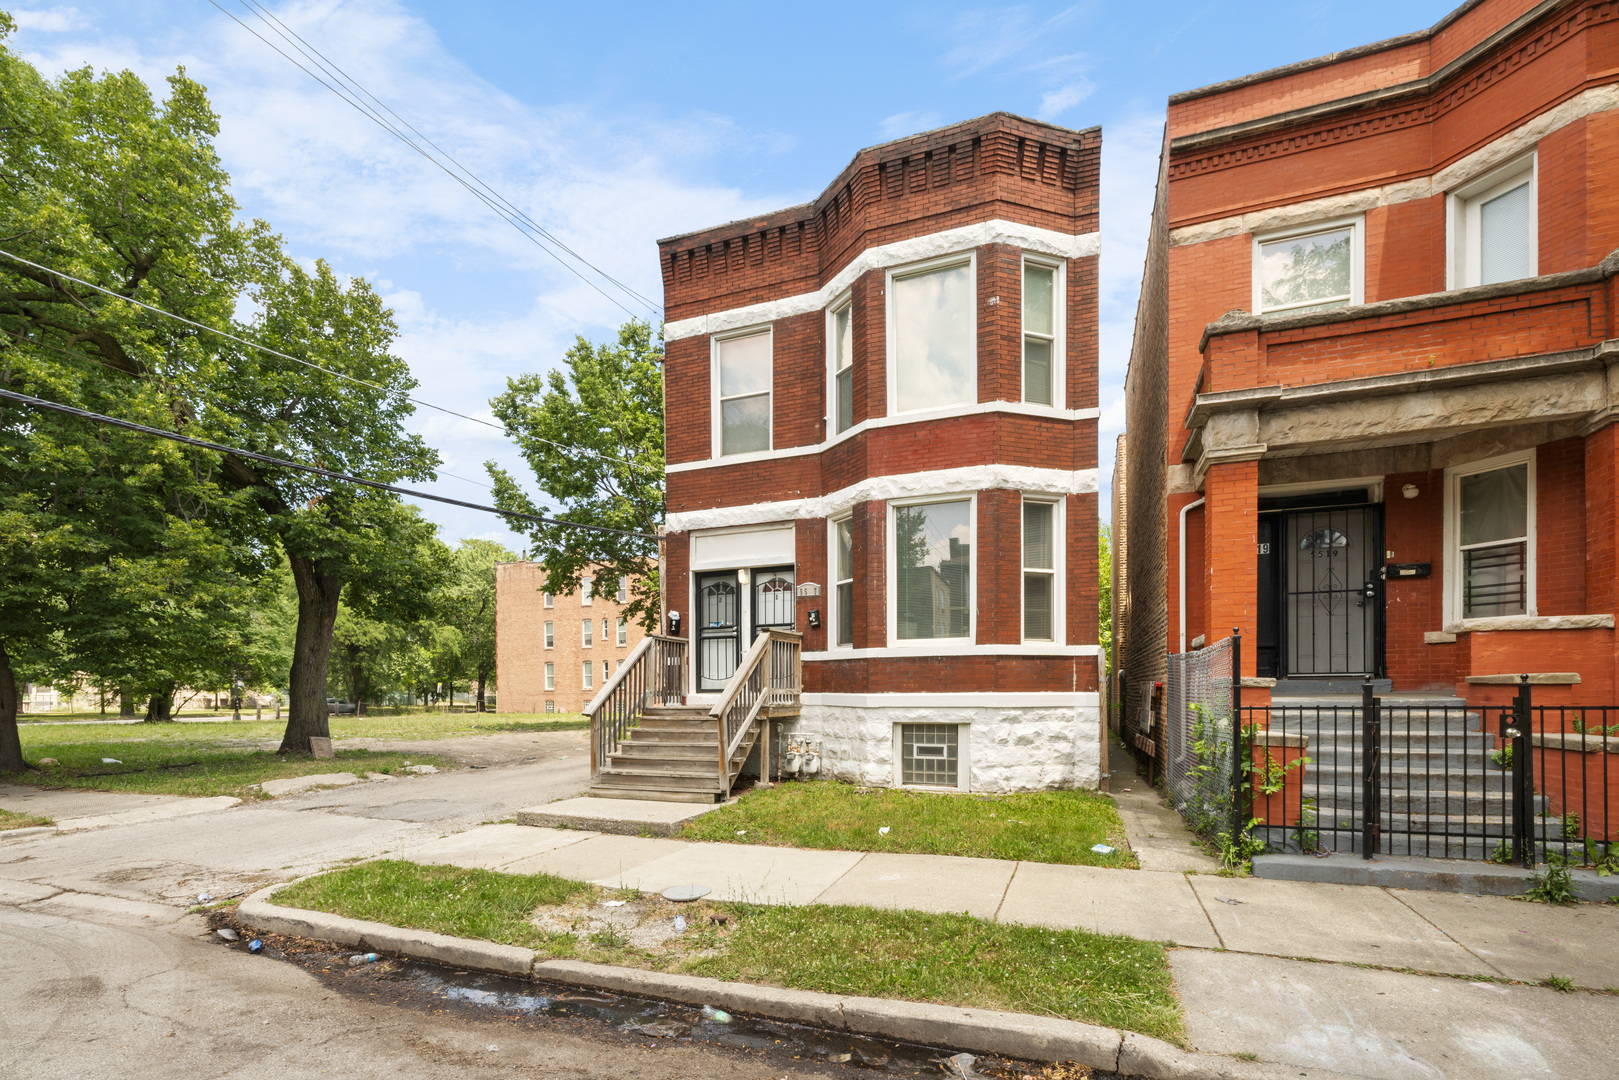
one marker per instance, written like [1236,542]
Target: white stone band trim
[1029,237]
[1598,99]
[967,480]
[966,648]
[1013,408]
[965,701]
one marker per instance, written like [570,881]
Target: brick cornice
[1421,101]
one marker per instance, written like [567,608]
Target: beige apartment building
[553,653]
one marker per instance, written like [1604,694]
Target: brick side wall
[1560,528]
[520,652]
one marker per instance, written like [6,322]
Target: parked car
[335,707]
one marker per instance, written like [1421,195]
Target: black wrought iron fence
[1574,776]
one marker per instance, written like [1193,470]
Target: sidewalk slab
[116,910]
[1347,923]
[1433,875]
[179,807]
[604,858]
[57,803]
[294,784]
[750,874]
[632,817]
[941,883]
[1389,1025]
[1160,839]
[1530,941]
[493,847]
[1152,907]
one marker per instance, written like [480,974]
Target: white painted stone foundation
[1032,747]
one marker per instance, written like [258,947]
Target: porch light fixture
[1410,491]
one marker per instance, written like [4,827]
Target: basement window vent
[550,706]
[929,754]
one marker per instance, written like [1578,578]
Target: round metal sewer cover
[682,894]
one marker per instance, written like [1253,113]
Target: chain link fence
[1195,739]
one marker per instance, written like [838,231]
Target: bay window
[742,386]
[843,580]
[1039,571]
[1040,367]
[1493,227]
[1308,269]
[841,342]
[1490,526]
[931,337]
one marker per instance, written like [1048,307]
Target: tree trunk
[160,709]
[126,702]
[311,654]
[482,677]
[10,742]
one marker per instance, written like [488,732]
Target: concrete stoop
[628,817]
[981,1031]
[1429,875]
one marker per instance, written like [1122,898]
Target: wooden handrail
[620,675]
[766,676]
[750,660]
[642,678]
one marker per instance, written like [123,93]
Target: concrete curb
[543,820]
[981,1031]
[32,830]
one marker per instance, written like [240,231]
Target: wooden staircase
[646,743]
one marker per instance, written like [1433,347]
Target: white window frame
[834,605]
[1059,337]
[1059,584]
[716,446]
[586,585]
[589,674]
[969,259]
[548,599]
[1463,214]
[1453,507]
[550,675]
[891,587]
[623,631]
[844,301]
[586,632]
[550,635]
[623,596]
[963,758]
[1356,223]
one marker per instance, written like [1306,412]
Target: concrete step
[666,751]
[607,791]
[676,712]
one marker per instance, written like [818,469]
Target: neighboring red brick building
[1372,393]
[882,432]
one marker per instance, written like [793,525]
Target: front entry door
[1330,594]
[719,643]
[774,599]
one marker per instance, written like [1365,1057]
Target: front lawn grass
[11,820]
[1041,826]
[415,726]
[168,763]
[947,959]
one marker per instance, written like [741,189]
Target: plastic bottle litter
[228,934]
[680,924]
[613,903]
[883,831]
[111,761]
[1101,849]
[203,898]
[255,946]
[363,958]
[718,1016]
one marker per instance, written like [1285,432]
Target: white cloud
[340,187]
[50,21]
[908,123]
[1053,103]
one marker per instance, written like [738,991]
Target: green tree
[1104,592]
[470,608]
[593,437]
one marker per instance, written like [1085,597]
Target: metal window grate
[929,754]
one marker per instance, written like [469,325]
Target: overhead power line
[352,92]
[85,414]
[299,360]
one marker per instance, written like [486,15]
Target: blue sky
[616,124]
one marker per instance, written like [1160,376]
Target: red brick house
[881,433]
[1372,394]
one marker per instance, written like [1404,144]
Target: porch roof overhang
[1574,391]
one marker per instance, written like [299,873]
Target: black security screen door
[774,599]
[719,645]
[1330,596]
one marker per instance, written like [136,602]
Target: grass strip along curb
[985,1031]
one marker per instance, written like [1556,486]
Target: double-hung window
[932,560]
[584,631]
[549,598]
[1041,366]
[1493,227]
[1308,269]
[623,589]
[840,342]
[589,675]
[550,676]
[623,631]
[1039,571]
[1492,511]
[931,342]
[843,580]
[586,586]
[550,635]
[742,393]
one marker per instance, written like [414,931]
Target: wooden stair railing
[768,682]
[653,674]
